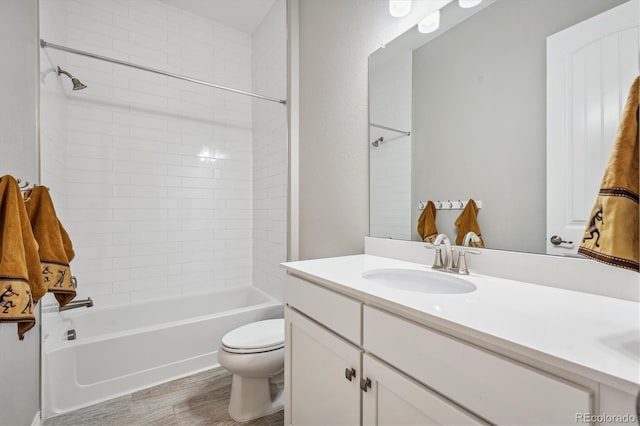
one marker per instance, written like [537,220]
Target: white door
[590,68]
[322,373]
[393,399]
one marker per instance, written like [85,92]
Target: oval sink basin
[419,281]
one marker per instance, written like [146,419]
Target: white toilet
[254,353]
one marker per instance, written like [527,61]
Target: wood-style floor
[201,399]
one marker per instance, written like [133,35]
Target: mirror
[461,113]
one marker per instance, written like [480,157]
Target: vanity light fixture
[468,4]
[399,8]
[429,23]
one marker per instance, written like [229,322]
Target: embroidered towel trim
[611,236]
[21,283]
[54,243]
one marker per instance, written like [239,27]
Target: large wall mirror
[468,112]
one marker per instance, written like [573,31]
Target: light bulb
[399,8]
[429,23]
[467,4]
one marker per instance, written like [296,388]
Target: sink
[419,281]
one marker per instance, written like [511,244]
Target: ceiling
[243,15]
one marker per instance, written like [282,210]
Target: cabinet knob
[349,373]
[365,384]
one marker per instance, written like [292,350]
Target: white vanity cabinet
[326,370]
[350,361]
[322,375]
[494,387]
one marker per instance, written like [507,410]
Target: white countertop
[600,335]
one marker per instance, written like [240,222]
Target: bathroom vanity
[363,350]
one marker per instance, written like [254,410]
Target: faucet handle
[437,260]
[462,261]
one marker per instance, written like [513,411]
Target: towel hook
[461,203]
[439,204]
[450,204]
[23,186]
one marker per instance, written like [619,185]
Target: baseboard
[37,420]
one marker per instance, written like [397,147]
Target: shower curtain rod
[45,44]
[404,132]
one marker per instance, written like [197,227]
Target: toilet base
[254,398]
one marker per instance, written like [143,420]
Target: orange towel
[21,283]
[55,250]
[427,223]
[467,222]
[612,234]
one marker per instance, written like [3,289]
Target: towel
[427,223]
[467,222]
[56,250]
[21,283]
[611,236]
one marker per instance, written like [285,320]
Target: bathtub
[119,350]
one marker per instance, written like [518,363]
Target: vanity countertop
[595,336]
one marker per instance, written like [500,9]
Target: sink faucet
[469,237]
[77,304]
[447,262]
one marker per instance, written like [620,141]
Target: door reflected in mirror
[464,114]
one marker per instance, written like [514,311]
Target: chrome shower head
[377,141]
[77,85]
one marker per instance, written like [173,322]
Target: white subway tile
[156,294]
[117,299]
[135,183]
[88,11]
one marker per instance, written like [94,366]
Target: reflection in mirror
[474,99]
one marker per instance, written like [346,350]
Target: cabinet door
[394,399]
[316,363]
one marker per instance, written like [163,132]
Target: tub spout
[77,304]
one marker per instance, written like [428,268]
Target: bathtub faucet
[77,304]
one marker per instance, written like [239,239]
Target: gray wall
[479,117]
[336,38]
[19,360]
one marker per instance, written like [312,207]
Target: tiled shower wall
[53,108]
[390,162]
[270,154]
[158,171]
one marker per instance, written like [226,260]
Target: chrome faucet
[469,237]
[450,263]
[77,304]
[447,262]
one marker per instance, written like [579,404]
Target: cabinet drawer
[491,386]
[337,312]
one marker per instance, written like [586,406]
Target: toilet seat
[257,337]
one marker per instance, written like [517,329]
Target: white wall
[336,38]
[158,170]
[19,360]
[269,71]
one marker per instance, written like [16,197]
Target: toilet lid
[256,335]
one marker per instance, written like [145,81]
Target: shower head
[77,85]
[377,141]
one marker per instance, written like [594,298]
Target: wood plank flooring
[201,399]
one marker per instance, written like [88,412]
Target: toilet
[254,353]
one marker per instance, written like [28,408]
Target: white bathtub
[119,350]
